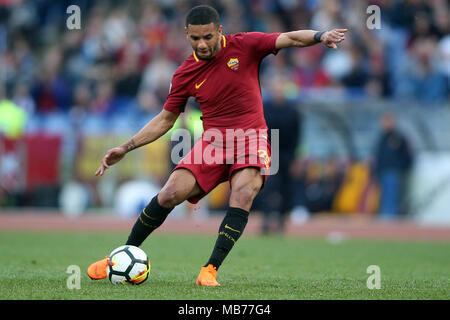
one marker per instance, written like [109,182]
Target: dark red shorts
[213,163]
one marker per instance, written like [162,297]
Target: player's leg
[245,185]
[180,186]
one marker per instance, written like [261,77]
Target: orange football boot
[97,270]
[207,276]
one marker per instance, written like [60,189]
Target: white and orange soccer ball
[128,265]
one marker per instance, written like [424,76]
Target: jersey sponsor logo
[197,86]
[233,64]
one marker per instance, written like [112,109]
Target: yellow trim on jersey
[195,57]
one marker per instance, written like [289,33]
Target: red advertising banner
[29,162]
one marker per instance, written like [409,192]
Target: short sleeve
[178,95]
[260,43]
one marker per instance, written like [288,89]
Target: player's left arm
[305,38]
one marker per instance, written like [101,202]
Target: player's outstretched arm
[154,129]
[305,38]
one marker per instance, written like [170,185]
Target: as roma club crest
[233,64]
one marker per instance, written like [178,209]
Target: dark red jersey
[227,86]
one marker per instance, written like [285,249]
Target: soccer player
[222,74]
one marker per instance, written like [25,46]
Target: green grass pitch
[34,264]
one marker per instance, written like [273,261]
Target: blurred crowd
[109,77]
[125,53]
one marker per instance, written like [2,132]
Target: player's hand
[113,156]
[330,38]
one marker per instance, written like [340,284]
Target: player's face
[204,39]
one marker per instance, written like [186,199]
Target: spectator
[427,78]
[104,97]
[307,71]
[52,91]
[157,77]
[81,99]
[23,99]
[128,75]
[277,195]
[393,162]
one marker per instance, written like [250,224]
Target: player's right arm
[154,129]
[305,38]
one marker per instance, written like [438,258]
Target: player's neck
[219,46]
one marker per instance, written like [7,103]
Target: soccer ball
[128,265]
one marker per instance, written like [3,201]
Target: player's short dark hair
[202,14]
